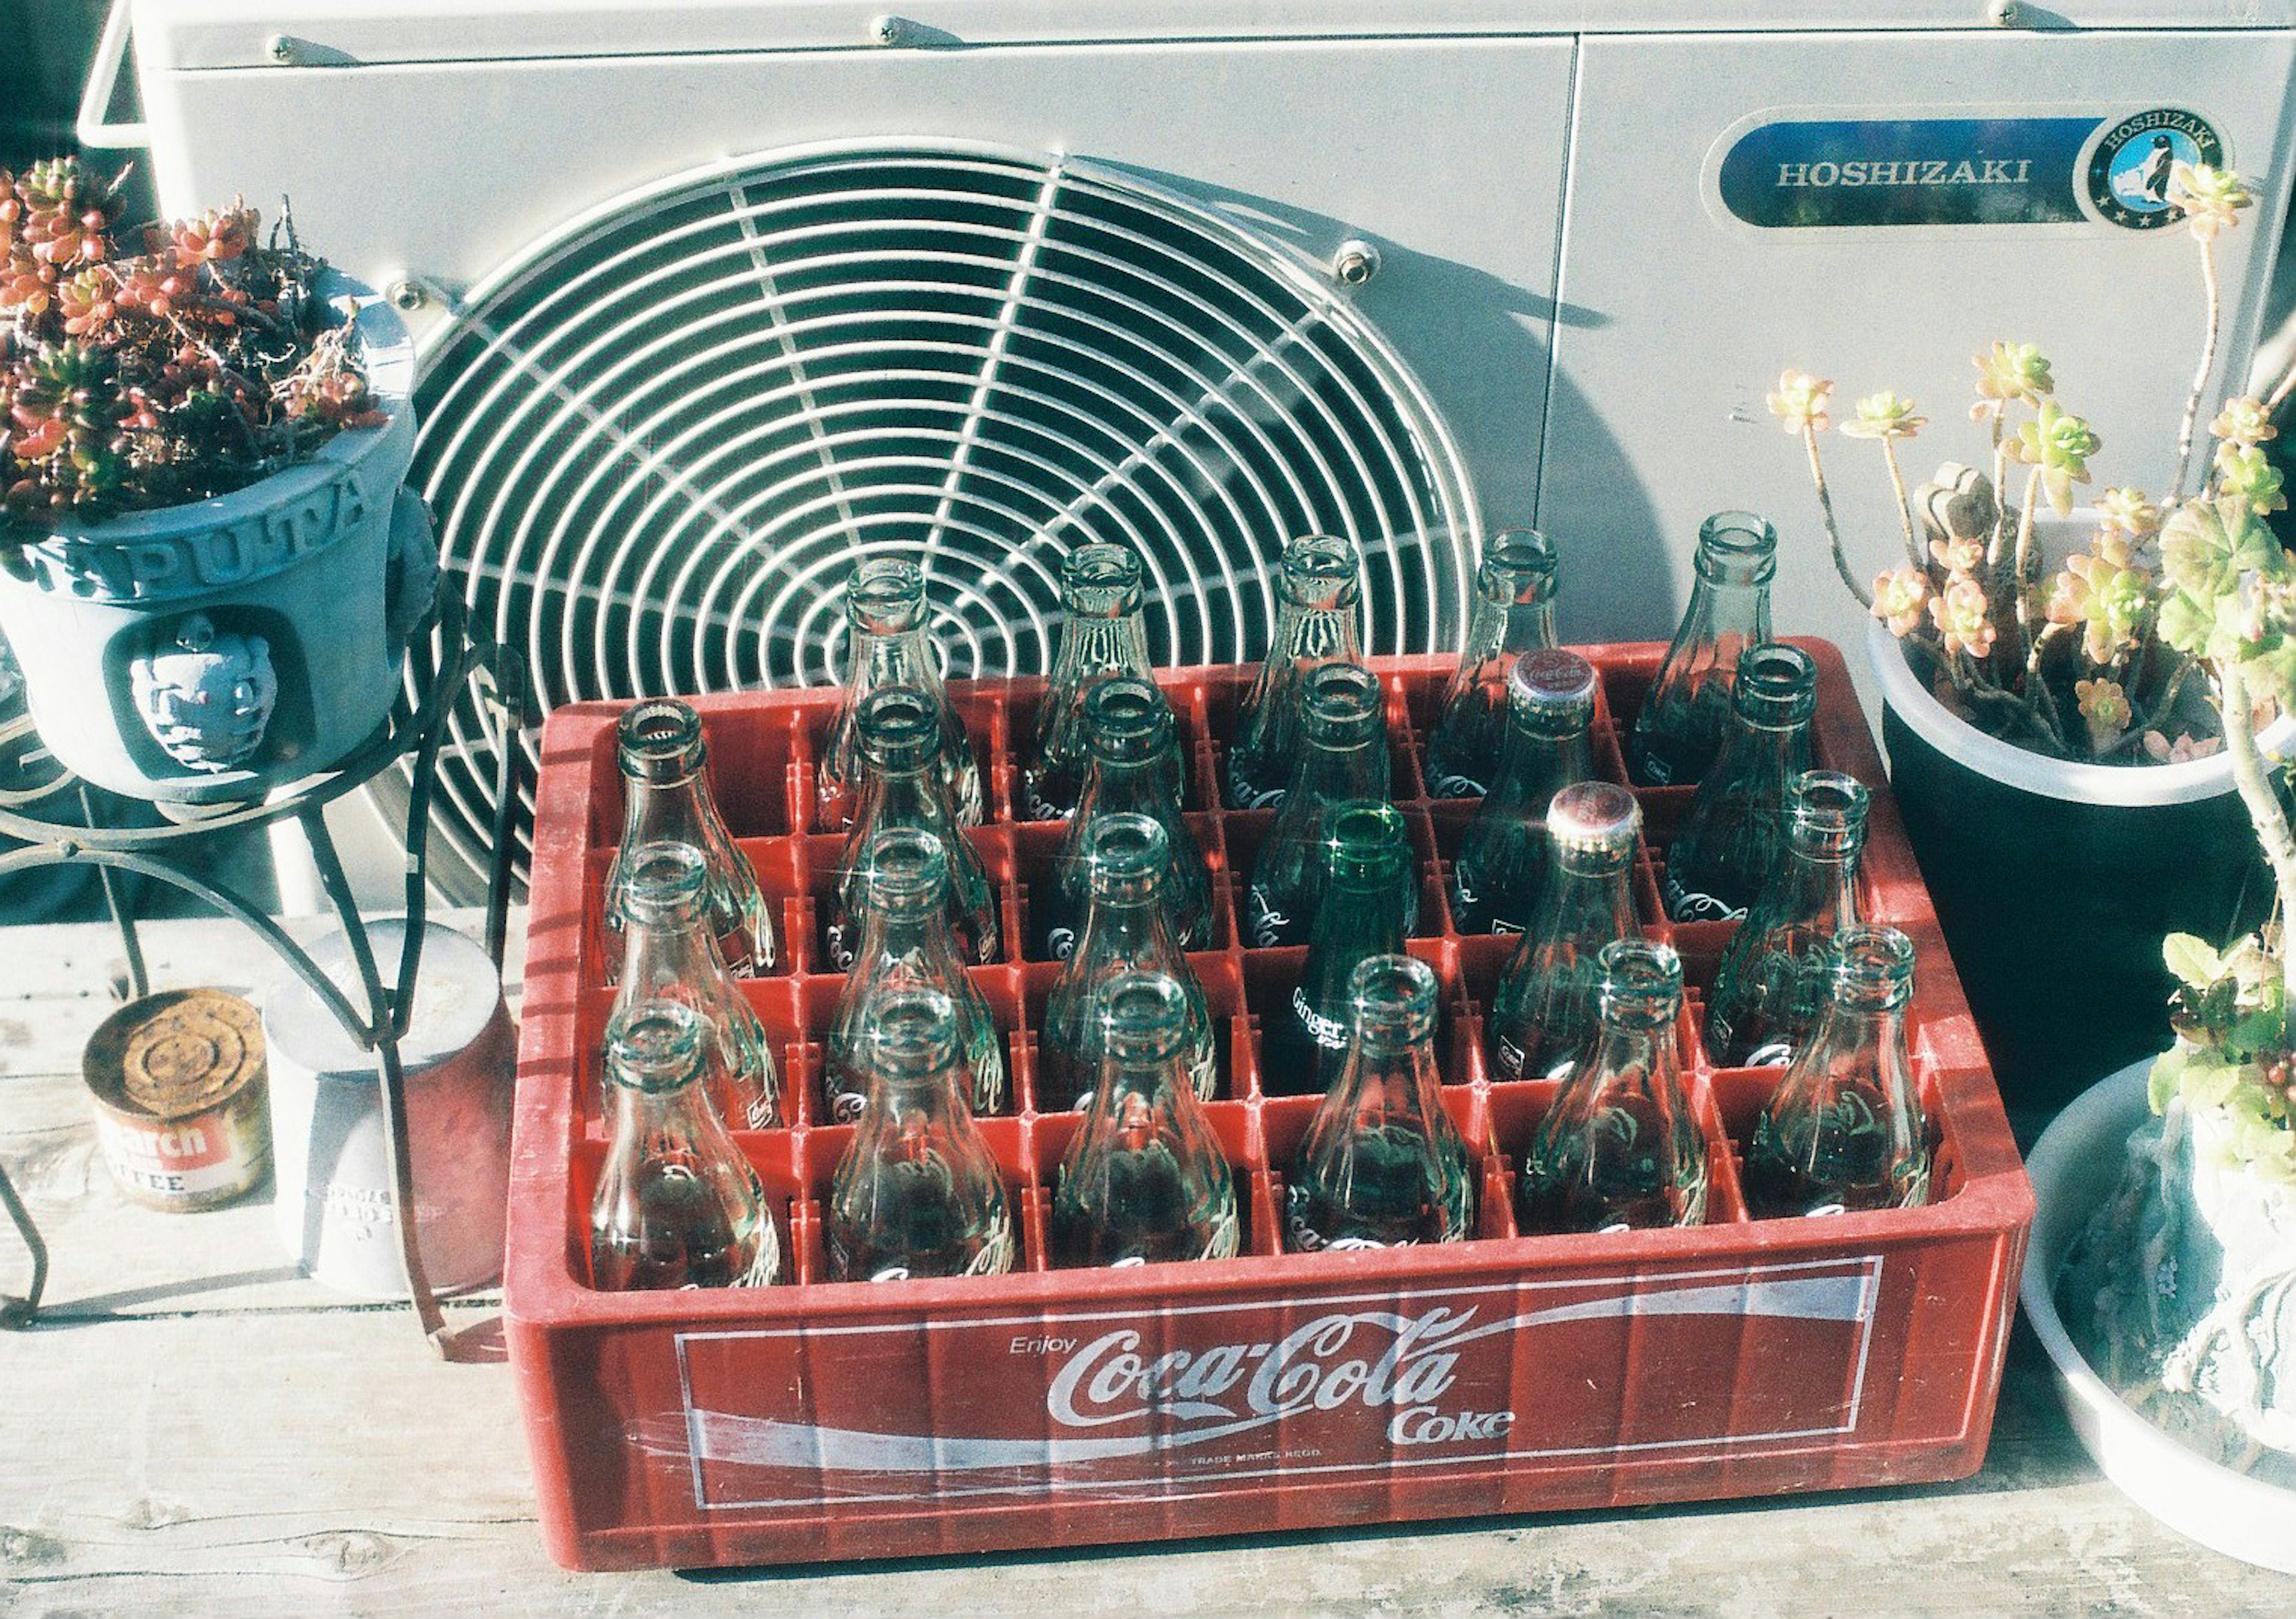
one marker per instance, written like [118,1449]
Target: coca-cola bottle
[1545,1015]
[1679,728]
[1343,759]
[668,954]
[1143,1179]
[1125,931]
[1514,613]
[1845,1129]
[1382,1166]
[900,787]
[1502,863]
[1620,1147]
[1730,836]
[665,796]
[906,943]
[1366,912]
[1318,586]
[1101,636]
[1771,986]
[917,1192]
[677,1206]
[1134,756]
[885,616]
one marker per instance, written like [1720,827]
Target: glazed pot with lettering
[2054,881]
[209,652]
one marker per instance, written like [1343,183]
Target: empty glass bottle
[1101,635]
[1620,1147]
[1771,986]
[1845,1129]
[1366,912]
[1134,753]
[1502,863]
[1317,587]
[1679,730]
[1513,614]
[899,788]
[1730,836]
[668,954]
[677,1206]
[1341,758]
[886,626]
[1143,1180]
[905,943]
[1383,1165]
[917,1192]
[666,795]
[1547,1013]
[1125,931]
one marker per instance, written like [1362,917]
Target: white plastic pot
[206,653]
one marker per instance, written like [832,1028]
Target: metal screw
[2001,13]
[888,30]
[407,295]
[1356,262]
[280,49]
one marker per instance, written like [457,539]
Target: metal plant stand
[416,728]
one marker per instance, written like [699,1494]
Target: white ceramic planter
[207,652]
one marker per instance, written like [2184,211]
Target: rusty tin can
[178,1082]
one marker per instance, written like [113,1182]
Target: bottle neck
[1817,882]
[1315,634]
[676,811]
[1588,896]
[892,658]
[1728,605]
[1129,922]
[658,952]
[902,796]
[1538,759]
[1392,1074]
[1148,786]
[1094,647]
[1335,771]
[1516,616]
[1355,920]
[911,1102]
[906,932]
[664,1121]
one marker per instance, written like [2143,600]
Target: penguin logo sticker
[2129,170]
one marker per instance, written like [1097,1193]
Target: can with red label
[177,1079]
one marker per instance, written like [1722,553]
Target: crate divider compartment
[1510,1373]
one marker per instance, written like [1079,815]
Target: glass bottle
[668,954]
[1620,1147]
[1545,1013]
[1143,1179]
[1101,635]
[899,788]
[1125,931]
[1730,838]
[1341,758]
[1318,585]
[1513,614]
[1366,912]
[917,1192]
[905,944]
[1382,1166]
[665,796]
[1845,1130]
[888,645]
[1771,986]
[1679,729]
[1134,753]
[1502,863]
[677,1206]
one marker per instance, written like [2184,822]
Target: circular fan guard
[656,445]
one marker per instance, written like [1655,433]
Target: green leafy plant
[2097,660]
[135,381]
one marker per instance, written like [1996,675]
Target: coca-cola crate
[1271,1391]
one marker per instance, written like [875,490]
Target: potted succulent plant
[2051,725]
[208,567]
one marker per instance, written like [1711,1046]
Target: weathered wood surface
[194,1432]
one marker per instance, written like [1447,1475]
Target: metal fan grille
[658,444]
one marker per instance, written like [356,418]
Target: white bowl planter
[205,653]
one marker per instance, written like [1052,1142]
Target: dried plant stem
[1863,597]
[2158,719]
[2264,809]
[2213,300]
[2280,390]
[2000,475]
[1904,506]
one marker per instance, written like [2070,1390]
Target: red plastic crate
[1271,1391]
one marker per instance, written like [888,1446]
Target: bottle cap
[1594,817]
[1555,685]
[660,742]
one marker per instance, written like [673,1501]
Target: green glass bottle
[1620,1148]
[1678,729]
[1845,1129]
[888,644]
[1514,613]
[1772,985]
[1547,1013]
[1502,865]
[1731,837]
[1343,759]
[1318,589]
[666,797]
[1101,636]
[1366,912]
